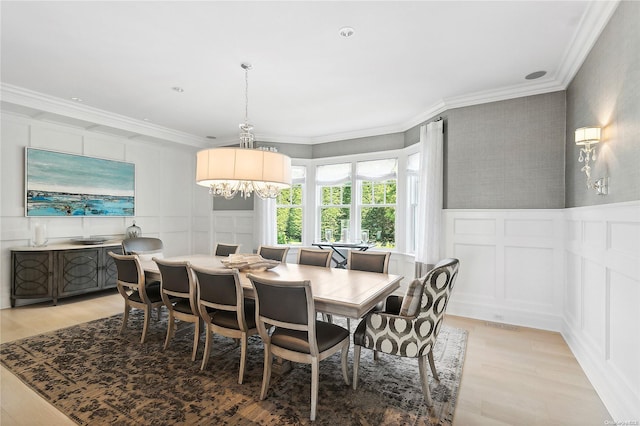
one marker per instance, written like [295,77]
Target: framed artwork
[61,184]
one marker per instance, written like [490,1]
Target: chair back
[130,274]
[286,304]
[370,261]
[177,280]
[226,249]
[141,245]
[438,284]
[315,257]
[274,253]
[218,288]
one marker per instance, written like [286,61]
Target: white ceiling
[406,62]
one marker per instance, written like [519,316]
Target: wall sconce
[587,137]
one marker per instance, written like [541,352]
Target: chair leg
[424,380]
[315,377]
[147,318]
[243,358]
[345,355]
[196,339]
[266,375]
[349,324]
[125,318]
[207,347]
[159,313]
[375,355]
[356,364]
[170,326]
[433,366]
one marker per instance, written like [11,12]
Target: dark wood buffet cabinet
[62,270]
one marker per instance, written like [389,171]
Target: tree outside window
[289,209]
[334,193]
[378,187]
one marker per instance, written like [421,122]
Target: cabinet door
[32,275]
[78,271]
[109,270]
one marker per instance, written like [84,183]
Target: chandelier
[227,171]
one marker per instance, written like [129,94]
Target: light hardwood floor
[512,375]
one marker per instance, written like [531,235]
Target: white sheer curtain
[429,197]
[264,221]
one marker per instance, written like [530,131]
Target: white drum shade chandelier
[229,170]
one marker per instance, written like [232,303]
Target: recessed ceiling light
[346,32]
[211,137]
[178,89]
[76,99]
[535,75]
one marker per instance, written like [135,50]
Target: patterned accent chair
[226,249]
[274,253]
[136,291]
[413,329]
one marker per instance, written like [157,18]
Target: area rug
[96,376]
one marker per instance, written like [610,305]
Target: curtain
[377,170]
[429,197]
[333,174]
[264,221]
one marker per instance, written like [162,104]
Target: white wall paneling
[233,227]
[511,267]
[164,189]
[601,310]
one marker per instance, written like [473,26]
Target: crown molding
[589,29]
[42,102]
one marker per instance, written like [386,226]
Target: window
[334,200]
[413,167]
[289,208]
[377,182]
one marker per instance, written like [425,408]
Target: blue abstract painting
[60,184]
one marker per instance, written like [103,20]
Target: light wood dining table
[335,291]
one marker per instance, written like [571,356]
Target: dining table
[335,291]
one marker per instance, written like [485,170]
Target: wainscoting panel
[235,227]
[511,266]
[601,310]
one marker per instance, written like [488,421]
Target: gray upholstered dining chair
[369,261]
[145,247]
[136,291]
[411,324]
[223,249]
[297,336]
[179,294]
[315,257]
[224,310]
[274,253]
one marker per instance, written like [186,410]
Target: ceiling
[406,62]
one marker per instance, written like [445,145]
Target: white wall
[576,271]
[168,203]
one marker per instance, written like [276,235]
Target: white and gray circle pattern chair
[412,331]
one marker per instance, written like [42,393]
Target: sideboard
[62,270]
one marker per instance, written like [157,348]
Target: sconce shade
[587,135]
[234,165]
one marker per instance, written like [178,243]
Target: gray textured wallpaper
[506,155]
[606,92]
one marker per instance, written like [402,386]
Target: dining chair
[411,328]
[274,253]
[370,261]
[297,336]
[136,291]
[223,249]
[179,294]
[314,257]
[225,310]
[145,247]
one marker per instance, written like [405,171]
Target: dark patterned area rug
[97,376]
